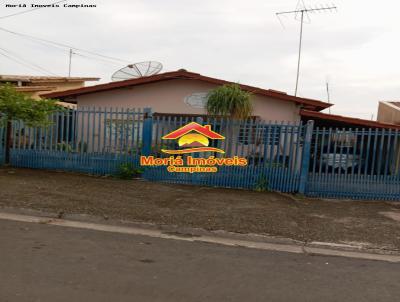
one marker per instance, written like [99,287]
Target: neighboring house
[184,93]
[389,112]
[36,85]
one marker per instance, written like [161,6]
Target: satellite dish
[137,70]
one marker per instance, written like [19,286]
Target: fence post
[3,144]
[305,162]
[147,132]
[195,177]
[199,120]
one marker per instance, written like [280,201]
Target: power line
[97,59]
[14,57]
[16,61]
[27,62]
[29,10]
[63,45]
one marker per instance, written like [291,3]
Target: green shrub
[82,147]
[262,184]
[65,147]
[128,171]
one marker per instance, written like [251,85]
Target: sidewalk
[365,224]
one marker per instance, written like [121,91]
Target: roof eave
[349,120]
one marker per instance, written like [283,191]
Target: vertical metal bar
[298,153]
[374,152]
[98,135]
[285,169]
[93,130]
[306,157]
[278,169]
[61,134]
[314,149]
[342,139]
[147,133]
[291,168]
[73,128]
[82,138]
[67,134]
[116,123]
[105,129]
[88,111]
[388,152]
[51,132]
[56,131]
[367,154]
[46,128]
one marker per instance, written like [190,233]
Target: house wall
[388,113]
[169,96]
[58,86]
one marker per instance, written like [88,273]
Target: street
[39,262]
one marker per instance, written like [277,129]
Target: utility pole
[303,10]
[70,62]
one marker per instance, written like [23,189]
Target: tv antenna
[70,62]
[137,70]
[328,94]
[303,11]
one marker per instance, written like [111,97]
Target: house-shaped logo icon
[193,137]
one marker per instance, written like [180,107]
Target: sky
[355,49]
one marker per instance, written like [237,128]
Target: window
[259,134]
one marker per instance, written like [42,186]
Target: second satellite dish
[137,70]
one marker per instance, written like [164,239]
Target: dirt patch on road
[203,207]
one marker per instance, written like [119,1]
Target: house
[36,85]
[389,112]
[184,93]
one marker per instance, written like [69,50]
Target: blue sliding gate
[355,163]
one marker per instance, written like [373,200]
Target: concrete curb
[223,238]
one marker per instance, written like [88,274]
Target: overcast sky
[356,49]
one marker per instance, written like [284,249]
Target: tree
[16,106]
[230,101]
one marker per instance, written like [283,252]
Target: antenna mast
[303,10]
[329,96]
[70,62]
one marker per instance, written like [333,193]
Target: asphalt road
[49,263]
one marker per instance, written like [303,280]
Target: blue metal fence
[320,162]
[90,140]
[273,152]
